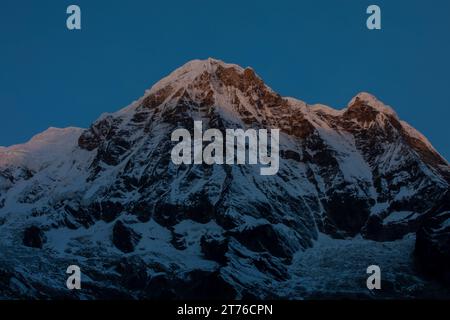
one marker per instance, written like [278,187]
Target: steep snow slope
[42,150]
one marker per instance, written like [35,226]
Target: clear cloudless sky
[319,51]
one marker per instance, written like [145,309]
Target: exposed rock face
[215,248]
[269,238]
[33,237]
[433,242]
[124,238]
[359,171]
[133,273]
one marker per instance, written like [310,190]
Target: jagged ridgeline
[354,187]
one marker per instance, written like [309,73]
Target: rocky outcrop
[33,237]
[433,242]
[214,248]
[271,239]
[124,238]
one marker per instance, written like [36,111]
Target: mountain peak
[187,73]
[46,146]
[364,99]
[211,83]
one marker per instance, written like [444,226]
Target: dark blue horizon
[316,51]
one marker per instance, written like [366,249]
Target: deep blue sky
[319,51]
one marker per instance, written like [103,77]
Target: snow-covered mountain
[354,188]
